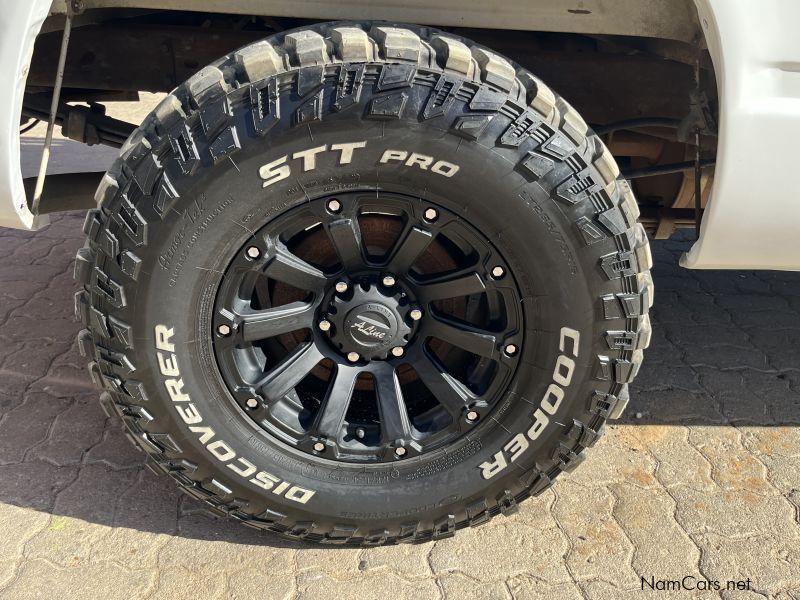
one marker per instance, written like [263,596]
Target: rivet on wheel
[473,416]
[334,205]
[325,325]
[510,349]
[253,252]
[319,447]
[498,272]
[389,280]
[341,286]
[400,451]
[431,214]
[224,330]
[251,403]
[415,314]
[353,356]
[397,351]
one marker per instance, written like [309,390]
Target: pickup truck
[372,272]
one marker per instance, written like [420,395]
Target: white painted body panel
[20,22]
[753,217]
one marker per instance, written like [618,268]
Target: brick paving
[701,478]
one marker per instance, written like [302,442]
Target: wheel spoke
[391,404]
[408,249]
[346,237]
[263,324]
[288,268]
[451,286]
[337,401]
[289,372]
[451,393]
[463,335]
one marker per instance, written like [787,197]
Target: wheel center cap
[369,320]
[371,325]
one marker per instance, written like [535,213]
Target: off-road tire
[544,188]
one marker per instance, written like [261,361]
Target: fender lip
[751,218]
[20,23]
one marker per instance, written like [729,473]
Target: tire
[477,140]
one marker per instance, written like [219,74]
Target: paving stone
[28,425]
[150,504]
[68,542]
[460,587]
[19,525]
[72,431]
[115,449]
[618,456]
[33,359]
[781,346]
[603,590]
[343,562]
[172,585]
[678,462]
[378,585]
[672,406]
[34,483]
[491,552]
[727,357]
[39,579]
[525,587]
[598,544]
[408,561]
[266,585]
[661,547]
[735,514]
[770,562]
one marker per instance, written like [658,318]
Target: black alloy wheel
[368,328]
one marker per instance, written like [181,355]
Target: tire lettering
[217,447]
[221,450]
[346,151]
[249,468]
[420,160]
[309,157]
[569,341]
[275,171]
[280,169]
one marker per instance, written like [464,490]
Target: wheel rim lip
[432,443]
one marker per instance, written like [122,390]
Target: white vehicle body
[751,220]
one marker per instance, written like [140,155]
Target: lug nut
[389,280]
[319,447]
[498,272]
[360,433]
[415,314]
[224,330]
[252,403]
[353,356]
[334,206]
[400,451]
[253,252]
[325,325]
[431,214]
[341,286]
[472,416]
[397,351]
[511,349]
